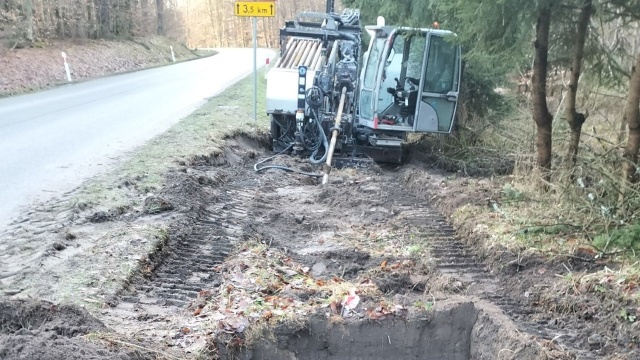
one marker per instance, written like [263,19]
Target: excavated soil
[374,227]
[45,331]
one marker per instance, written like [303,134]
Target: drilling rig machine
[325,96]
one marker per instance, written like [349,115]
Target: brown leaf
[374,315]
[197,312]
[366,281]
[267,315]
[334,307]
[236,342]
[384,264]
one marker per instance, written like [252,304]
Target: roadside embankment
[42,65]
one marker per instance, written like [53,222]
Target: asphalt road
[52,141]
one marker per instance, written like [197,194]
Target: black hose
[284,168]
[285,134]
[325,142]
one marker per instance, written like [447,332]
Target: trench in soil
[228,204]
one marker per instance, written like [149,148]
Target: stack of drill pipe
[295,50]
[281,59]
[290,51]
[301,52]
[306,60]
[287,53]
[315,58]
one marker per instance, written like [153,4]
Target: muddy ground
[227,262]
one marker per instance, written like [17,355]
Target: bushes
[623,239]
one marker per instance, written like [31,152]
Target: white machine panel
[282,90]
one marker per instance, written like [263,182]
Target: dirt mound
[46,331]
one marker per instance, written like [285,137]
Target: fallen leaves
[383,310]
[262,284]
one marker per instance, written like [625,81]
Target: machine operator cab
[410,81]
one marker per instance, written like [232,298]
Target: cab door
[368,81]
[440,85]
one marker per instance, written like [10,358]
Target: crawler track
[457,259]
[188,266]
[231,214]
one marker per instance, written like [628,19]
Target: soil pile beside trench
[45,331]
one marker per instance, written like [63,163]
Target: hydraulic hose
[280,167]
[325,142]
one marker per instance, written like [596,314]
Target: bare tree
[541,114]
[632,118]
[160,13]
[574,118]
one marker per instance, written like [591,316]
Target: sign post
[255,9]
[255,69]
[66,66]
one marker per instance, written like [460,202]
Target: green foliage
[511,194]
[413,13]
[495,37]
[626,238]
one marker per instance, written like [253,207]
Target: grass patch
[202,132]
[622,239]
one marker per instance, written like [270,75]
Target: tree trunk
[574,118]
[103,14]
[541,114]
[61,18]
[632,118]
[29,15]
[160,6]
[623,123]
[214,16]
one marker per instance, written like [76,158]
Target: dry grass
[144,351]
[580,204]
[264,288]
[202,132]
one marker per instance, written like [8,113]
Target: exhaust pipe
[330,6]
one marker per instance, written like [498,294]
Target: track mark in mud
[308,223]
[188,267]
[454,258]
